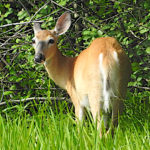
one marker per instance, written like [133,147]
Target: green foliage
[128,21]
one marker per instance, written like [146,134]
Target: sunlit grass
[55,129]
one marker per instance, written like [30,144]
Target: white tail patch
[115,75]
[109,79]
[116,57]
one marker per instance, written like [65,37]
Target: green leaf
[144,30]
[8,92]
[86,32]
[63,2]
[100,32]
[7,5]
[13,87]
[22,14]
[135,66]
[18,79]
[148,50]
[17,40]
[139,78]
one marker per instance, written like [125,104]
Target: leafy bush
[128,21]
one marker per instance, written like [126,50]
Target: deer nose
[39,58]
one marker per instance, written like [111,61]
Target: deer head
[45,41]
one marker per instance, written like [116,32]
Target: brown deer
[96,79]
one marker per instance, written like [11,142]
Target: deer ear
[36,28]
[63,23]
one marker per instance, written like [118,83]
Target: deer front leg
[79,110]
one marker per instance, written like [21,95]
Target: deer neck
[60,68]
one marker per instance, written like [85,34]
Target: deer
[96,79]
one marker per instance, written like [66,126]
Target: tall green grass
[54,128]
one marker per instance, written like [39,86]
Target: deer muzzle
[39,56]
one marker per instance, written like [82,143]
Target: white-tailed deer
[96,79]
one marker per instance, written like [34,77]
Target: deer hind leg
[117,108]
[118,105]
[95,107]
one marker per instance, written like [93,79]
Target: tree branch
[13,24]
[34,98]
[84,18]
[140,87]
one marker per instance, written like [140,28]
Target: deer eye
[33,41]
[51,41]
